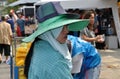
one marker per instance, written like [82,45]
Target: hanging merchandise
[109,30]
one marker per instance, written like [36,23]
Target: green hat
[51,15]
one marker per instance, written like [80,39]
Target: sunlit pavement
[4,71]
[110,67]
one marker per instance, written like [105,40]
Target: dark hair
[10,15]
[87,14]
[2,18]
[28,58]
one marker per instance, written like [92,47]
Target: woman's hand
[99,38]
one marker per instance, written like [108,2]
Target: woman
[48,57]
[88,33]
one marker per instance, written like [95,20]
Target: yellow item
[21,73]
[22,49]
[20,63]
[21,53]
[29,45]
[18,54]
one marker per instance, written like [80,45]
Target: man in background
[5,39]
[10,21]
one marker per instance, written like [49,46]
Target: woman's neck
[90,27]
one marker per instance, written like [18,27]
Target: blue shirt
[91,55]
[48,63]
[77,48]
[21,24]
[11,22]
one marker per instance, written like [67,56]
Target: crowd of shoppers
[11,24]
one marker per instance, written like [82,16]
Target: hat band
[51,20]
[47,17]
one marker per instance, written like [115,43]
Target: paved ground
[4,71]
[110,68]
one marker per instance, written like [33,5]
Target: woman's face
[92,18]
[63,35]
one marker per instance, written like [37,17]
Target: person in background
[20,21]
[11,22]
[76,54]
[88,57]
[88,33]
[49,57]
[5,39]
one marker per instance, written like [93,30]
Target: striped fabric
[47,63]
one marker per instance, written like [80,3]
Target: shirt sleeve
[82,31]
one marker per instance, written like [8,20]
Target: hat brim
[58,21]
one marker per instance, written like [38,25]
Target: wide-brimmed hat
[51,15]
